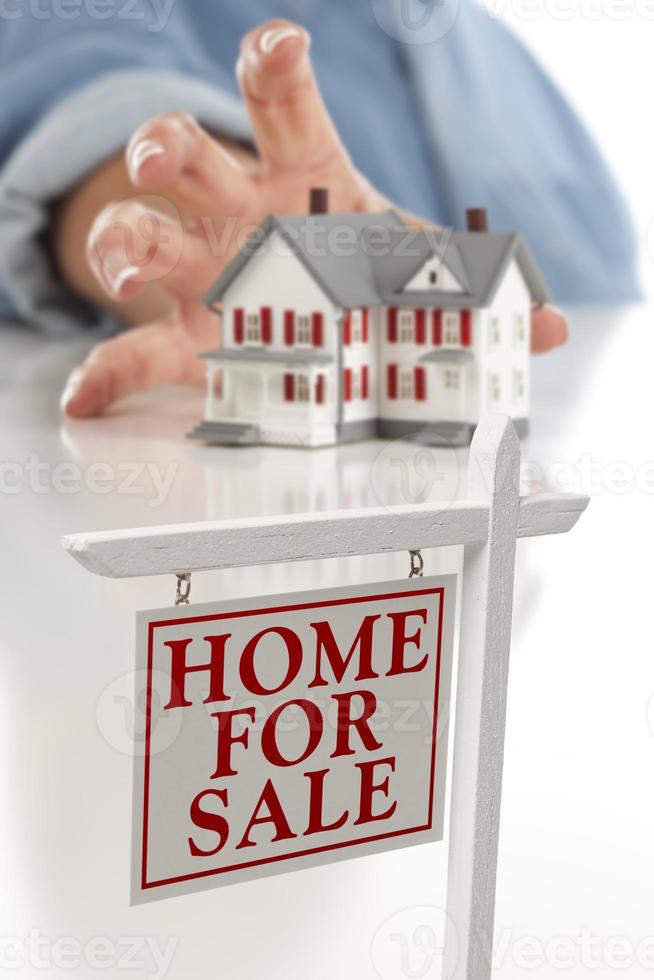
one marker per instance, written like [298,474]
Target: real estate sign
[289,731]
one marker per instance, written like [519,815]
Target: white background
[605,67]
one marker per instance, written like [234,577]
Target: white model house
[338,327]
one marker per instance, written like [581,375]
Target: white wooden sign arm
[330,534]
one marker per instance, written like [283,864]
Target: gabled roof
[332,247]
[478,260]
[408,250]
[367,259]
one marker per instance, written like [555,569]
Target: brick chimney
[318,200]
[476,219]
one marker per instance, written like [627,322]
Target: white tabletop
[576,853]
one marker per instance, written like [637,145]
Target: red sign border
[145,884]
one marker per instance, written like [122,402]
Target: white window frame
[406,326]
[356,327]
[452,378]
[494,331]
[303,330]
[494,387]
[451,329]
[405,383]
[253,328]
[519,330]
[518,384]
[302,388]
[355,384]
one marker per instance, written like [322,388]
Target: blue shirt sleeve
[438,103]
[84,87]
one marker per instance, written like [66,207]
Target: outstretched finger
[173,153]
[144,357]
[549,329]
[291,124]
[143,241]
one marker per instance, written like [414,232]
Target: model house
[337,327]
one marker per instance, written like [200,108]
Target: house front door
[451,392]
[249,395]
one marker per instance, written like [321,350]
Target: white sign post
[487,524]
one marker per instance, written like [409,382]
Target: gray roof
[367,259]
[478,260]
[332,247]
[253,355]
[447,355]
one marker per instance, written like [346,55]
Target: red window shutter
[466,328]
[239,326]
[420,384]
[392,324]
[289,388]
[266,324]
[421,330]
[364,381]
[316,329]
[347,329]
[320,389]
[364,325]
[437,327]
[347,384]
[392,380]
[289,328]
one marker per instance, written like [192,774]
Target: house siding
[506,357]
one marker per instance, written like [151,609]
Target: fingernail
[68,395]
[270,39]
[118,279]
[143,151]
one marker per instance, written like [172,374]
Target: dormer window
[433,277]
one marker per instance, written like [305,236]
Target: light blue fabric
[436,101]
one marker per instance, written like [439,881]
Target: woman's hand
[187,202]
